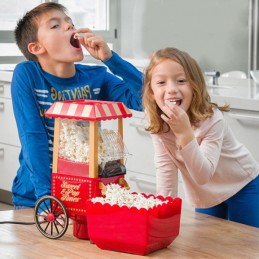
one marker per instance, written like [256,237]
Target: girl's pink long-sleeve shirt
[214,166]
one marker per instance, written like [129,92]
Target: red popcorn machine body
[81,172]
[87,158]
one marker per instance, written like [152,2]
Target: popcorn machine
[88,168]
[85,159]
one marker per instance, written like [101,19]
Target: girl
[190,133]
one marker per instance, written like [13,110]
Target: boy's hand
[95,44]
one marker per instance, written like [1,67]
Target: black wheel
[51,217]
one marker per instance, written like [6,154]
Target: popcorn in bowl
[116,195]
[133,223]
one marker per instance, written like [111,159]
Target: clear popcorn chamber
[89,166]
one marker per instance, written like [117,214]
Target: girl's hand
[95,44]
[179,122]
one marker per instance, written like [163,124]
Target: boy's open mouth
[74,42]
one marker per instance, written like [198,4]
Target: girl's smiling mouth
[173,102]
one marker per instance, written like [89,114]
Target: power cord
[17,222]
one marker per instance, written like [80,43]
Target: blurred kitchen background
[221,34]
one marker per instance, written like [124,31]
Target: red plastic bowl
[131,230]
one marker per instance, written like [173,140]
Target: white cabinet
[140,165]
[141,173]
[242,96]
[8,132]
[9,141]
[9,164]
[245,126]
[140,161]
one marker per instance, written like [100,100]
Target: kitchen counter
[201,236]
[239,93]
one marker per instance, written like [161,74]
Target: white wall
[215,32]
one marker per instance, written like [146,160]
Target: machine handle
[1,106]
[122,181]
[141,180]
[243,117]
[255,39]
[139,126]
[1,89]
[1,152]
[103,188]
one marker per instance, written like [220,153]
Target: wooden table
[201,236]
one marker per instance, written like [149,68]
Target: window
[91,13]
[10,11]
[98,15]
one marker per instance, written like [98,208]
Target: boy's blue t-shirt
[34,91]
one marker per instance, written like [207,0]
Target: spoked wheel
[51,217]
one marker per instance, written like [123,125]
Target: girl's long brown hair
[201,107]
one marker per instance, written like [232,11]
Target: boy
[46,37]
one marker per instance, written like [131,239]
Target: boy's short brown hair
[27,28]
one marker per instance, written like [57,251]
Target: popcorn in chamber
[74,143]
